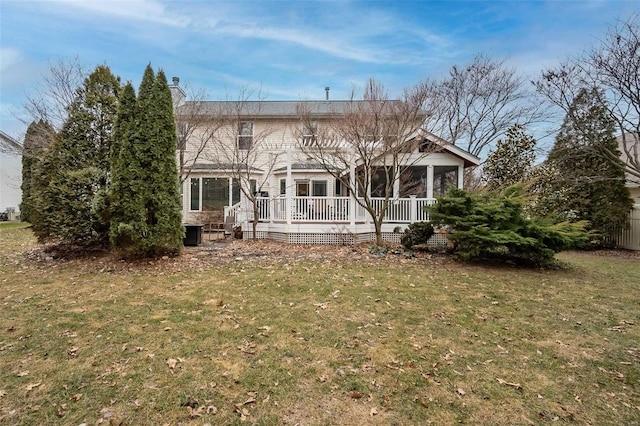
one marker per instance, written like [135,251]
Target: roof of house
[302,166]
[226,167]
[274,109]
[9,144]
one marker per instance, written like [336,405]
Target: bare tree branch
[237,153]
[372,135]
[196,129]
[612,66]
[55,93]
[477,103]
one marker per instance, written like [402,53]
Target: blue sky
[290,49]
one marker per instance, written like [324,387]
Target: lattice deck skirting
[336,238]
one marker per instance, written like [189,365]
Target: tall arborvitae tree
[584,186]
[127,213]
[147,217]
[512,160]
[36,141]
[75,171]
[163,207]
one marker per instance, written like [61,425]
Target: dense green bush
[416,234]
[492,226]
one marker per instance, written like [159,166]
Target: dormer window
[245,135]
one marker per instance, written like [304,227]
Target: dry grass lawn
[261,333]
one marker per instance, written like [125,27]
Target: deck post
[460,177]
[413,207]
[230,190]
[352,200]
[288,189]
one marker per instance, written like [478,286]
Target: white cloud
[138,10]
[8,58]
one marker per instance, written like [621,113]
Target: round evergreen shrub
[416,234]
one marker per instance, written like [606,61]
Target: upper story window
[309,133]
[245,135]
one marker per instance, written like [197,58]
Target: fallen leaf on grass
[373,411]
[252,398]
[504,382]
[23,373]
[355,394]
[198,412]
[3,393]
[211,409]
[76,397]
[73,351]
[171,362]
[243,412]
[32,386]
[460,392]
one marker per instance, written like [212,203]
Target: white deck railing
[337,209]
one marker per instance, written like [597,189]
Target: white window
[319,188]
[309,133]
[245,135]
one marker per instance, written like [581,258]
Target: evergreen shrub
[493,226]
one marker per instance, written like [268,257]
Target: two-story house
[296,187]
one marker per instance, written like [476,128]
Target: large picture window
[212,193]
[215,193]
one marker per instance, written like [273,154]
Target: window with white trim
[245,135]
[319,188]
[309,133]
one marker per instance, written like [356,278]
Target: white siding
[10,181]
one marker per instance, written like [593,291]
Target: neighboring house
[10,174]
[629,238]
[299,201]
[630,152]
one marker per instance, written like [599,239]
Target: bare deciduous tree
[371,136]
[196,128]
[614,67]
[239,149]
[478,102]
[54,94]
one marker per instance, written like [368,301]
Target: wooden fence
[629,238]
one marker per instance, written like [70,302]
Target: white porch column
[396,184]
[230,191]
[354,193]
[429,181]
[289,188]
[460,176]
[413,214]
